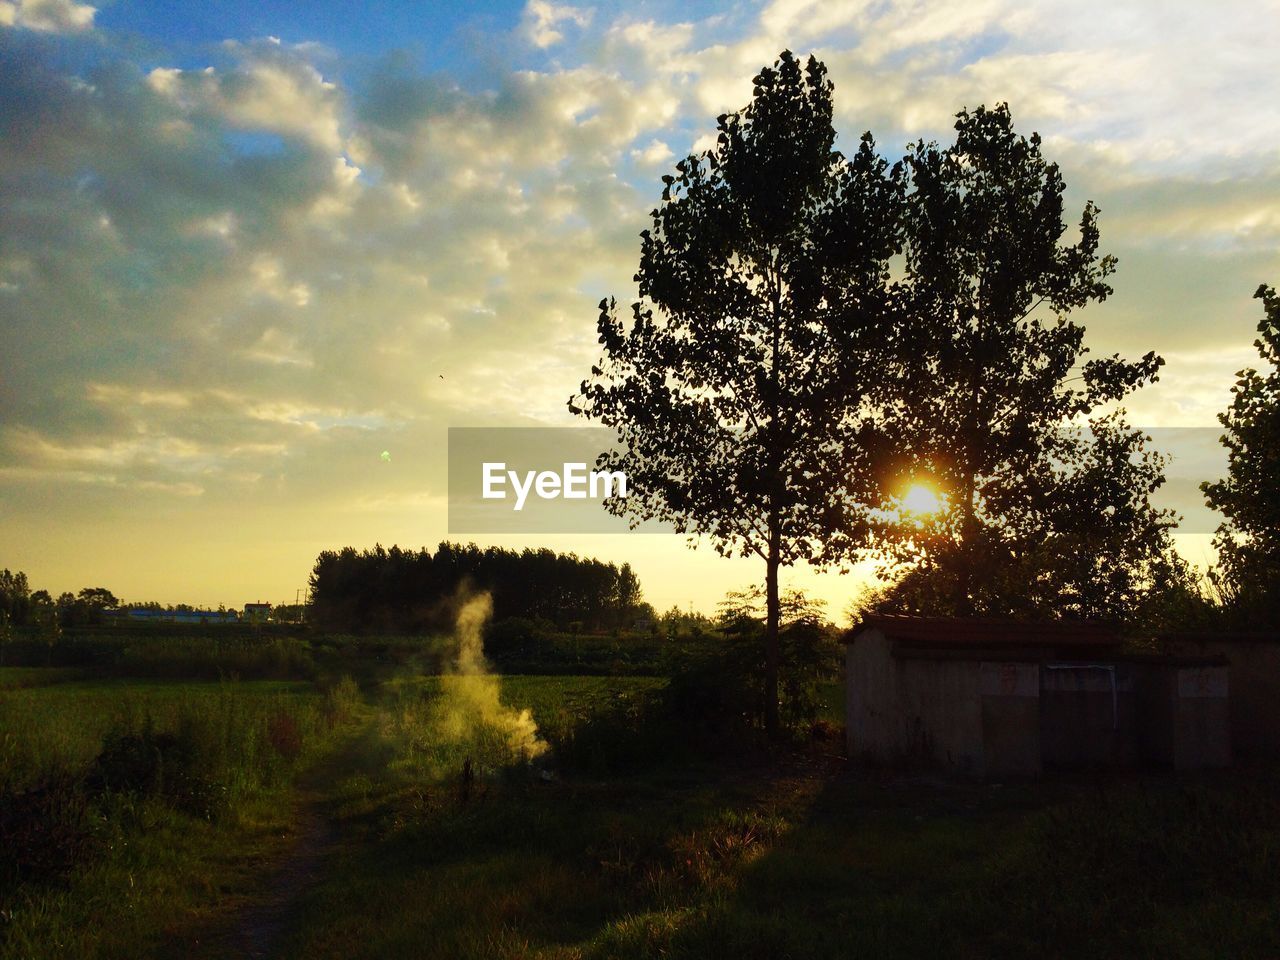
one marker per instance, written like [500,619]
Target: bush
[282,658]
[215,753]
[713,704]
[45,830]
[341,700]
[518,638]
[161,764]
[630,732]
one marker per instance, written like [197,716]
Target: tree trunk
[772,644]
[963,600]
[773,653]
[969,492]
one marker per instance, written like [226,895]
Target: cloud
[543,19]
[47,16]
[655,154]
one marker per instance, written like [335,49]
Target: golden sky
[237,263]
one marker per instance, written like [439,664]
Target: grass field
[334,837]
[58,723]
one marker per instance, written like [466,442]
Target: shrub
[284,736]
[518,638]
[341,700]
[45,830]
[163,764]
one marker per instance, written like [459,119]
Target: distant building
[994,699]
[151,615]
[257,612]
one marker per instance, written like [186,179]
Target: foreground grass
[795,857]
[792,859]
[714,863]
[134,810]
[55,723]
[159,871]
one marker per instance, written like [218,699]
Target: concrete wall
[1201,718]
[995,719]
[1088,716]
[1184,716]
[941,714]
[912,711]
[1155,691]
[1255,691]
[1011,719]
[871,698]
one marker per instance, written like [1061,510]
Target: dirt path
[258,928]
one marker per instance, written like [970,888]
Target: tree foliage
[993,390]
[1248,541]
[413,591]
[735,389]
[810,651]
[15,596]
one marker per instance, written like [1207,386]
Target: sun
[919,500]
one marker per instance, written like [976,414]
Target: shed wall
[1201,719]
[1088,717]
[871,710]
[1255,692]
[941,713]
[1011,719]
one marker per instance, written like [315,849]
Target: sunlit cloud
[47,16]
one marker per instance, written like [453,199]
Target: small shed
[987,698]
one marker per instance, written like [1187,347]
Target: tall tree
[1248,541]
[736,388]
[994,376]
[15,596]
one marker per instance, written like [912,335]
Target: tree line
[413,591]
[818,332]
[20,606]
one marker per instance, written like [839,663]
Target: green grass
[59,726]
[785,857]
[558,703]
[715,863]
[160,872]
[134,808]
[13,678]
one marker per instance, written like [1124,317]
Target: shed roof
[976,632]
[1219,636]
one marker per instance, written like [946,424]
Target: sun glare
[920,500]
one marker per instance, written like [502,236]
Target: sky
[247,247]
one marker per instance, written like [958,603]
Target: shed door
[1086,716]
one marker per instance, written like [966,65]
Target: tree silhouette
[1109,557]
[412,590]
[15,596]
[994,378]
[1248,541]
[737,388]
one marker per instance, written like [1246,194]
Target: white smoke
[469,709]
